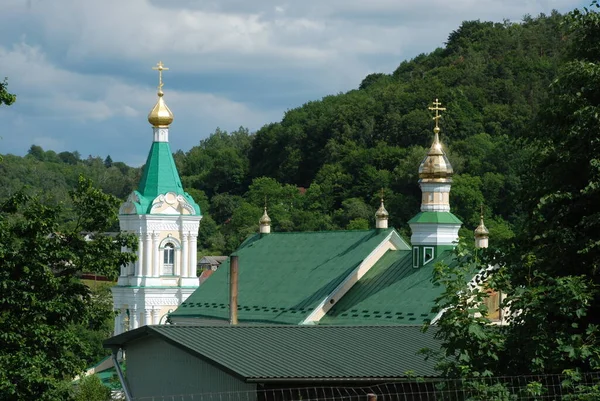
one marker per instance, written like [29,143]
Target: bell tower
[165,220]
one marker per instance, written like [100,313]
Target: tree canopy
[42,299]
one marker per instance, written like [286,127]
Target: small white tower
[166,220]
[265,223]
[482,234]
[382,215]
[434,229]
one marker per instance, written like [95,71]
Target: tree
[6,97]
[41,298]
[553,269]
[91,388]
[108,162]
[549,273]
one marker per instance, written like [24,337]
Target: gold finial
[381,192]
[436,107]
[160,68]
[160,116]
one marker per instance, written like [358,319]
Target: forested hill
[327,160]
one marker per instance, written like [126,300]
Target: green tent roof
[435,217]
[391,292]
[283,276]
[288,353]
[159,177]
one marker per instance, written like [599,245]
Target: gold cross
[160,68]
[382,194]
[437,108]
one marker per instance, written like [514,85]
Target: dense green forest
[322,167]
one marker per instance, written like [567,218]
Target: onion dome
[481,231]
[160,116]
[435,166]
[265,219]
[381,212]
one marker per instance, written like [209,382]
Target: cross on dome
[436,107]
[160,68]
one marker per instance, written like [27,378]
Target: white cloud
[317,47]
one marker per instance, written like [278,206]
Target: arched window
[169,259]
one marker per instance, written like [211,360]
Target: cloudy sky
[82,69]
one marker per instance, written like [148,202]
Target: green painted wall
[158,369]
[418,257]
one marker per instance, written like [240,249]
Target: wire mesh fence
[568,387]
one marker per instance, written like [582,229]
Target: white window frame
[415,256]
[425,249]
[169,247]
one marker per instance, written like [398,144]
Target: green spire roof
[159,177]
[160,173]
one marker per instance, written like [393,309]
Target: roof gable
[284,353]
[283,276]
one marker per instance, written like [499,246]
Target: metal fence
[568,387]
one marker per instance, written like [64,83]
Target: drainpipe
[233,290]
[115,352]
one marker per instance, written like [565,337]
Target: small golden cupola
[265,222]
[436,167]
[160,116]
[382,215]
[482,234]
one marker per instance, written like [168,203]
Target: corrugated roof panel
[283,276]
[392,292]
[302,352]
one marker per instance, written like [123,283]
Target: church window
[415,256]
[428,254]
[169,259]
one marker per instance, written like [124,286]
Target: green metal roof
[159,177]
[296,353]
[391,292]
[435,217]
[283,276]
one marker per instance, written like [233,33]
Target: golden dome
[436,166]
[160,116]
[481,231]
[381,212]
[265,219]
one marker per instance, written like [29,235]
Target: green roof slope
[285,353]
[391,292]
[159,177]
[435,217]
[283,276]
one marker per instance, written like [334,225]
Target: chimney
[233,290]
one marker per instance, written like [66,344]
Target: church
[353,277]
[320,288]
